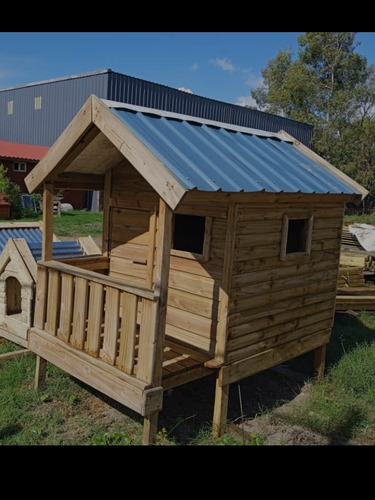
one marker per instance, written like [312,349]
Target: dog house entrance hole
[13,296]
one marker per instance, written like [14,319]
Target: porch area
[105,333]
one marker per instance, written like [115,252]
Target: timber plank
[79,313]
[111,326]
[275,339]
[95,319]
[53,300]
[66,310]
[128,332]
[96,373]
[274,356]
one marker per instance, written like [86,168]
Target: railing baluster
[111,325]
[95,315]
[79,313]
[128,332]
[41,297]
[66,312]
[147,341]
[53,310]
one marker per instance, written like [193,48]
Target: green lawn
[74,223]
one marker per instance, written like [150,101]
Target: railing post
[162,264]
[47,250]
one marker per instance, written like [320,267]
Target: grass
[66,412]
[342,405]
[360,219]
[74,223]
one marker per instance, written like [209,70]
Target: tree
[330,86]
[12,190]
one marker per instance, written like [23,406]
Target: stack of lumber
[356,298]
[350,276]
[349,240]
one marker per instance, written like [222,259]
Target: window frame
[307,216]
[205,255]
[19,163]
[10,106]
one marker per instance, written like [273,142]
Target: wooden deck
[182,364]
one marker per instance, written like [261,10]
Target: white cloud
[252,80]
[246,100]
[225,64]
[186,90]
[194,67]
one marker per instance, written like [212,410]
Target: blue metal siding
[61,100]
[63,97]
[211,158]
[130,90]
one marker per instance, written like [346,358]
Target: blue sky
[219,65]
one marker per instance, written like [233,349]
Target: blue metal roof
[33,237]
[214,156]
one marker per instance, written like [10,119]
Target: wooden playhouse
[220,255]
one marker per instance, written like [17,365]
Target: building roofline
[108,71]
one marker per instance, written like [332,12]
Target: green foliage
[329,85]
[12,191]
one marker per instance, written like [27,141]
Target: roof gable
[176,154]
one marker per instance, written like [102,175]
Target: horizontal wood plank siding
[277,303]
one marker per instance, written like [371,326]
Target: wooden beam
[103,377]
[161,281]
[14,354]
[48,197]
[319,361]
[221,406]
[224,294]
[143,160]
[67,180]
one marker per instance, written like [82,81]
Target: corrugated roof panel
[33,237]
[211,157]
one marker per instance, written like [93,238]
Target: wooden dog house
[21,247]
[220,254]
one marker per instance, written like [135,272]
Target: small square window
[10,108]
[191,236]
[296,236]
[38,102]
[19,166]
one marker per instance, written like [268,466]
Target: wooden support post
[47,252]
[48,196]
[221,406]
[161,277]
[320,361]
[150,428]
[40,372]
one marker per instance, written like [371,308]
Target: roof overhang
[94,141]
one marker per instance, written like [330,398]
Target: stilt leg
[40,372]
[150,428]
[320,361]
[221,407]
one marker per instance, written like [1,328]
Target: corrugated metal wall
[62,98]
[60,101]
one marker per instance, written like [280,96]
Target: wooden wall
[275,302]
[129,237]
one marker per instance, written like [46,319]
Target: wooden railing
[100,315]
